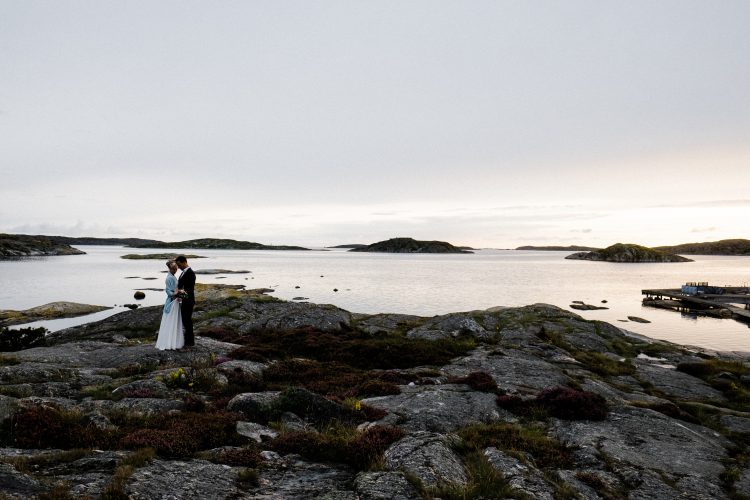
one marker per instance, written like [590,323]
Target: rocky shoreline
[298,400]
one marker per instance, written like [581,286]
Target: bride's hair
[171,263]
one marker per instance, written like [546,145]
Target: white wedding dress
[170,331]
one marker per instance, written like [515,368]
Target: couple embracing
[178,309]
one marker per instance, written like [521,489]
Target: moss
[249,477]
[8,360]
[604,365]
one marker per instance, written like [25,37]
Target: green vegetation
[410,245]
[216,243]
[628,252]
[517,441]
[22,338]
[157,256]
[721,247]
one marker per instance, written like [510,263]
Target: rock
[53,310]
[248,368]
[621,252]
[150,388]
[255,406]
[139,295]
[514,371]
[451,325]
[293,478]
[292,422]
[586,307]
[175,479]
[638,320]
[519,476]
[742,485]
[647,439]
[133,306]
[312,407]
[735,424]
[438,408]
[220,271]
[256,432]
[21,245]
[17,484]
[676,384]
[384,486]
[429,457]
[8,407]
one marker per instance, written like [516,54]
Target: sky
[485,123]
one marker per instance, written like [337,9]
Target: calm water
[414,284]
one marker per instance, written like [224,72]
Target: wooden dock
[730,300]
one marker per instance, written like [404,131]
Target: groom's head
[181,262]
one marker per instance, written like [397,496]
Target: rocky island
[558,248]
[53,310]
[722,247]
[218,243]
[302,401]
[21,245]
[410,245]
[157,256]
[626,252]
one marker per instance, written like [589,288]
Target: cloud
[703,229]
[585,231]
[708,204]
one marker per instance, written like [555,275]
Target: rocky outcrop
[157,256]
[217,243]
[271,424]
[410,245]
[721,247]
[21,245]
[53,310]
[627,252]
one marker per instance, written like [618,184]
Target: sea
[419,284]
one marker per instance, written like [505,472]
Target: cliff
[290,400]
[627,252]
[410,245]
[21,245]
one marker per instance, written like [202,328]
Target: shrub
[560,402]
[249,477]
[314,407]
[368,447]
[23,338]
[479,381]
[185,433]
[570,404]
[247,456]
[711,367]
[48,427]
[376,387]
[340,444]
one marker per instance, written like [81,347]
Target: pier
[728,301]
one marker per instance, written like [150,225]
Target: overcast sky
[486,123]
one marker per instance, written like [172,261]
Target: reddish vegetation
[560,402]
[479,381]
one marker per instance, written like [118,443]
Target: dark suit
[187,283]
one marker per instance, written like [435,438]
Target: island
[410,245]
[53,310]
[721,247]
[629,253]
[21,245]
[218,244]
[158,256]
[350,245]
[558,248]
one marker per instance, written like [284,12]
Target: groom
[186,283]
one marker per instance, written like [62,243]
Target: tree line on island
[19,245]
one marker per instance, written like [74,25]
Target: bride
[170,331]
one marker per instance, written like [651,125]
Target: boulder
[384,486]
[139,295]
[291,477]
[429,457]
[648,440]
[256,432]
[249,368]
[736,424]
[255,406]
[451,325]
[438,408]
[183,479]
